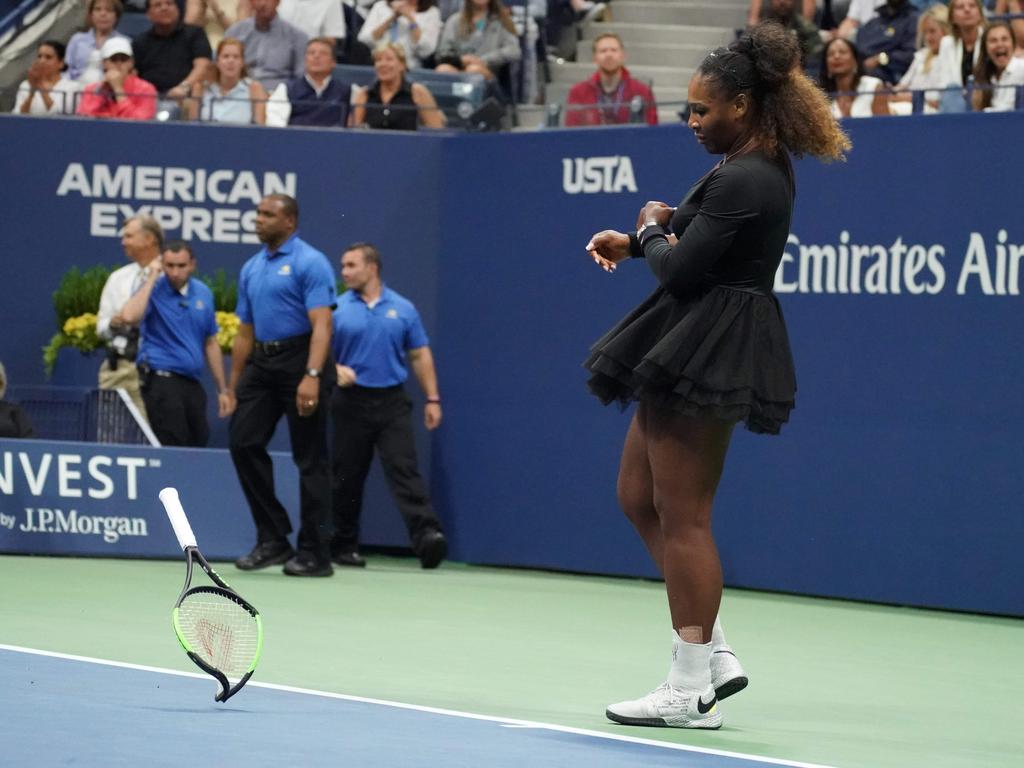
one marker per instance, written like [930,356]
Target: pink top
[138,103]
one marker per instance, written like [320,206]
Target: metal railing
[465,116]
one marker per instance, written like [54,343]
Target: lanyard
[611,103]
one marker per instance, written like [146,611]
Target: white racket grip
[172,504]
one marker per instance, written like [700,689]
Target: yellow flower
[229,323]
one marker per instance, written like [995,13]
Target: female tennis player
[709,347]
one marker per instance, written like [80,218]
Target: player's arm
[422,362]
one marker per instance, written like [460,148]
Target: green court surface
[833,683]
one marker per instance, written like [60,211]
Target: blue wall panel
[898,479]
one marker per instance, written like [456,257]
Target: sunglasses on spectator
[119,57]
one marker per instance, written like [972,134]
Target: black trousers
[265,393]
[176,407]
[368,418]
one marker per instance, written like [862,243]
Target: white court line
[505,721]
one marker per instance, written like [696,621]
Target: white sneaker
[669,707]
[727,676]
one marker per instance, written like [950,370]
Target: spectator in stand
[121,93]
[606,98]
[171,55]
[14,422]
[391,102]
[998,71]
[216,16]
[46,90]
[231,96]
[413,24]
[853,93]
[960,51]
[564,19]
[316,98]
[83,56]
[1004,7]
[859,13]
[759,10]
[925,73]
[274,49]
[803,27]
[315,18]
[481,39]
[887,41]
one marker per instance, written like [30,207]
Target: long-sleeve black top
[732,228]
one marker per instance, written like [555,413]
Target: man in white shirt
[142,240]
[317,18]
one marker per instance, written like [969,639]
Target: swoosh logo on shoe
[705,708]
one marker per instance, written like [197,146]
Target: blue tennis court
[68,710]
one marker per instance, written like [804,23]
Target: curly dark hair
[791,113]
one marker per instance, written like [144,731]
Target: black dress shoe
[432,548]
[265,554]
[350,558]
[307,564]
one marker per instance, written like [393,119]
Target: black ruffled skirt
[723,353]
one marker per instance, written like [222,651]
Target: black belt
[145,370]
[271,348]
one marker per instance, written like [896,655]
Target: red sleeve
[651,114]
[580,95]
[138,104]
[92,103]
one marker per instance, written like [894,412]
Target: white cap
[114,46]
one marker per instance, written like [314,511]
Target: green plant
[76,302]
[225,290]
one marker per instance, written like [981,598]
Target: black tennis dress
[711,339]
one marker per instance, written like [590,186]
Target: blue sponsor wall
[898,479]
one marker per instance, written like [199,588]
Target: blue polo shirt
[277,290]
[373,342]
[176,326]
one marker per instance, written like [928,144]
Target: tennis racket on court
[219,630]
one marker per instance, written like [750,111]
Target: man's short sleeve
[415,334]
[199,43]
[243,309]
[318,281]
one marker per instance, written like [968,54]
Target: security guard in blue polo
[178,328]
[285,298]
[378,335]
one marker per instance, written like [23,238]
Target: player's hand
[226,404]
[432,415]
[307,396]
[346,375]
[655,210]
[607,248]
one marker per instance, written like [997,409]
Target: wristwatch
[314,372]
[647,224]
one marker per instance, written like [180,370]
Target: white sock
[718,642]
[691,665]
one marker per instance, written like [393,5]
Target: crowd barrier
[898,479]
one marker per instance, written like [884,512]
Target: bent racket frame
[187,541]
[223,590]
